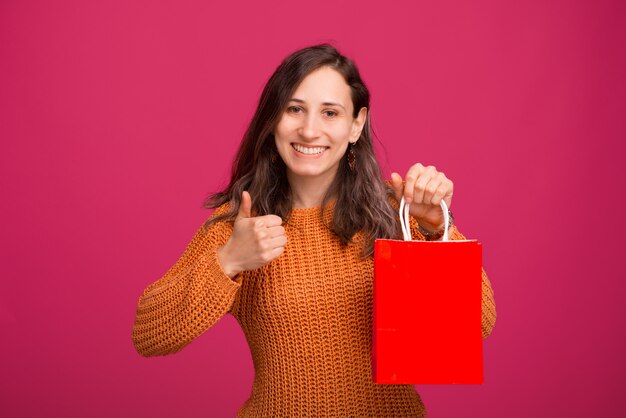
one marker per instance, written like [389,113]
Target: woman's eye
[331,113]
[294,109]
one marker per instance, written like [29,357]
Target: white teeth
[306,150]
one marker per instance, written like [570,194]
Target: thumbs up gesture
[254,242]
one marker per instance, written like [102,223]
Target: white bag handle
[404,220]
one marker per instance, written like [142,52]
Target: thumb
[396,184]
[245,205]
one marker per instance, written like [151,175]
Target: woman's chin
[308,172]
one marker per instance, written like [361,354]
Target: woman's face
[314,131]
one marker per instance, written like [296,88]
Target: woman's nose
[310,126]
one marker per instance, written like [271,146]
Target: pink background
[118,118]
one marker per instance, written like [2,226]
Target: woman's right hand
[254,242]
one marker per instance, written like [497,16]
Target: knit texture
[307,317]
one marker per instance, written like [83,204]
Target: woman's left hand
[424,189]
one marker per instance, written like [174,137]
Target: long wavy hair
[362,197]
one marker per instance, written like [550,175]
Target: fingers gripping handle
[404,220]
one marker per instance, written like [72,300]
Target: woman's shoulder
[222,209]
[219,216]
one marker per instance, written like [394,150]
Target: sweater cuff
[228,286]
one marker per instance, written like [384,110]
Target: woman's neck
[308,192]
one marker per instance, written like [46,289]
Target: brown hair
[361,195]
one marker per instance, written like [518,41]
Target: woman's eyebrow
[324,104]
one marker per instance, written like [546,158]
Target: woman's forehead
[323,86]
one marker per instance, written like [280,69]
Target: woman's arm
[188,300]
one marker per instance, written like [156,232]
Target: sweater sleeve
[188,299]
[488,302]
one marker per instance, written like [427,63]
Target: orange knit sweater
[306,317]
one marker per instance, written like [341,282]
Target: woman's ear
[357,125]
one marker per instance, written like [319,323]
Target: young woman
[288,250]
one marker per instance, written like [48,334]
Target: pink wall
[117,118]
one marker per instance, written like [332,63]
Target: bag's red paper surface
[427,312]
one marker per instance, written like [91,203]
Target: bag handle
[404,220]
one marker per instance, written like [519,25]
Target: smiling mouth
[308,150]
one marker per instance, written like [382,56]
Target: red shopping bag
[427,309]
